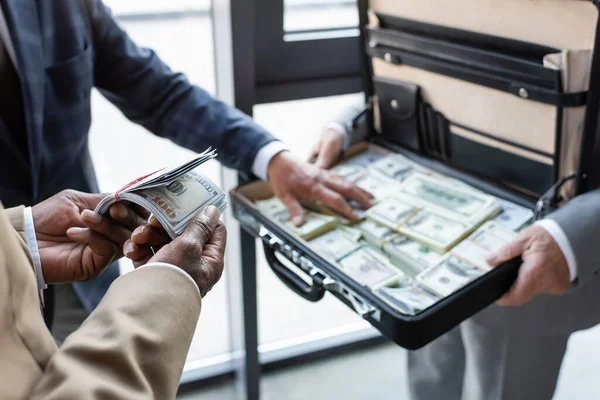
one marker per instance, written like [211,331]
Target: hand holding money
[200,250]
[544,268]
[173,195]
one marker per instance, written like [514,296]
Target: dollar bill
[380,187]
[368,267]
[273,208]
[351,232]
[376,234]
[391,213]
[349,172]
[334,245]
[513,216]
[487,239]
[396,167]
[314,225]
[367,157]
[407,296]
[452,201]
[173,195]
[414,255]
[449,276]
[435,231]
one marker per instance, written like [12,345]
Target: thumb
[202,226]
[508,251]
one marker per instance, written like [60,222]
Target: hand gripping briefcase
[501,96]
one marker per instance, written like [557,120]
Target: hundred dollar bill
[334,245]
[391,213]
[407,296]
[439,195]
[367,157]
[368,267]
[173,195]
[351,232]
[314,225]
[513,216]
[487,239]
[380,187]
[449,276]
[396,167]
[273,208]
[349,172]
[376,234]
[413,254]
[435,231]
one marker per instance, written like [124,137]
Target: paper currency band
[141,178]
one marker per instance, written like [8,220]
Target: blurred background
[295,100]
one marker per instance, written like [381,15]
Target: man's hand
[293,181]
[200,250]
[69,251]
[328,149]
[544,268]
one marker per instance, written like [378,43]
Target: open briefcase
[499,98]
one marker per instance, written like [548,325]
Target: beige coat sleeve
[133,346]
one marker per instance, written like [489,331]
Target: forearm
[580,222]
[134,345]
[148,92]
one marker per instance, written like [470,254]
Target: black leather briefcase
[503,96]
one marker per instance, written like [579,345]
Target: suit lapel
[24,24]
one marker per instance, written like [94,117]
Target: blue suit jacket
[64,48]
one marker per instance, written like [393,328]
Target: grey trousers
[480,360]
[69,313]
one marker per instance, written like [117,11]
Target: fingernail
[92,216]
[129,248]
[212,212]
[297,220]
[76,231]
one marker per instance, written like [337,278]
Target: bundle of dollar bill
[440,196]
[407,296]
[396,167]
[315,224]
[368,267]
[466,262]
[411,256]
[173,195]
[376,234]
[334,245]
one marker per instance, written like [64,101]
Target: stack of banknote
[334,245]
[315,224]
[412,256]
[396,167]
[376,234]
[369,267]
[466,262]
[173,195]
[407,296]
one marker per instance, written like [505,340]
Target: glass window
[310,15]
[181,34]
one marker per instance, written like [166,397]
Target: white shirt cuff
[336,126]
[171,266]
[32,246]
[561,239]
[261,162]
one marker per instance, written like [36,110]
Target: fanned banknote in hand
[173,195]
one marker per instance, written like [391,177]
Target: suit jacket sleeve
[580,221]
[164,102]
[355,122]
[133,346]
[17,220]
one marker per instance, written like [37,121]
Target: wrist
[278,161]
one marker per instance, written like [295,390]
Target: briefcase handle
[309,291]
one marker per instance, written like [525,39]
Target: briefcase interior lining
[485,68]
